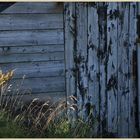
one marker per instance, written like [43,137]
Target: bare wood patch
[93,63]
[112,79]
[123,72]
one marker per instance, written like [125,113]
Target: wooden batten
[70,48]
[112,73]
[93,62]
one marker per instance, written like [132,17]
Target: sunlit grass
[38,118]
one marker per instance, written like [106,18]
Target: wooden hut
[89,50]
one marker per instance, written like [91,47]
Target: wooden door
[100,44]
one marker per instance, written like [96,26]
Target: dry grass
[39,118]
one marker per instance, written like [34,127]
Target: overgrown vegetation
[10,129]
[37,118]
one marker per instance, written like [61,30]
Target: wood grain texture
[70,54]
[34,7]
[93,61]
[107,66]
[123,75]
[70,48]
[22,65]
[35,69]
[132,70]
[112,79]
[42,96]
[39,72]
[102,54]
[32,43]
[33,37]
[39,84]
[82,81]
[31,49]
[30,21]
[99,61]
[12,58]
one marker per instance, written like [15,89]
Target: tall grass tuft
[40,118]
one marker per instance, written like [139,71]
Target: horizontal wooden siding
[31,42]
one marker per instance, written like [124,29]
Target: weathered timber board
[31,37]
[133,118]
[37,85]
[93,62]
[35,69]
[102,54]
[81,58]
[123,75]
[40,72]
[24,65]
[70,48]
[6,58]
[30,21]
[112,79]
[34,7]
[31,49]
[51,97]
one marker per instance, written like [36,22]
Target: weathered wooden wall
[32,42]
[101,70]
[100,58]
